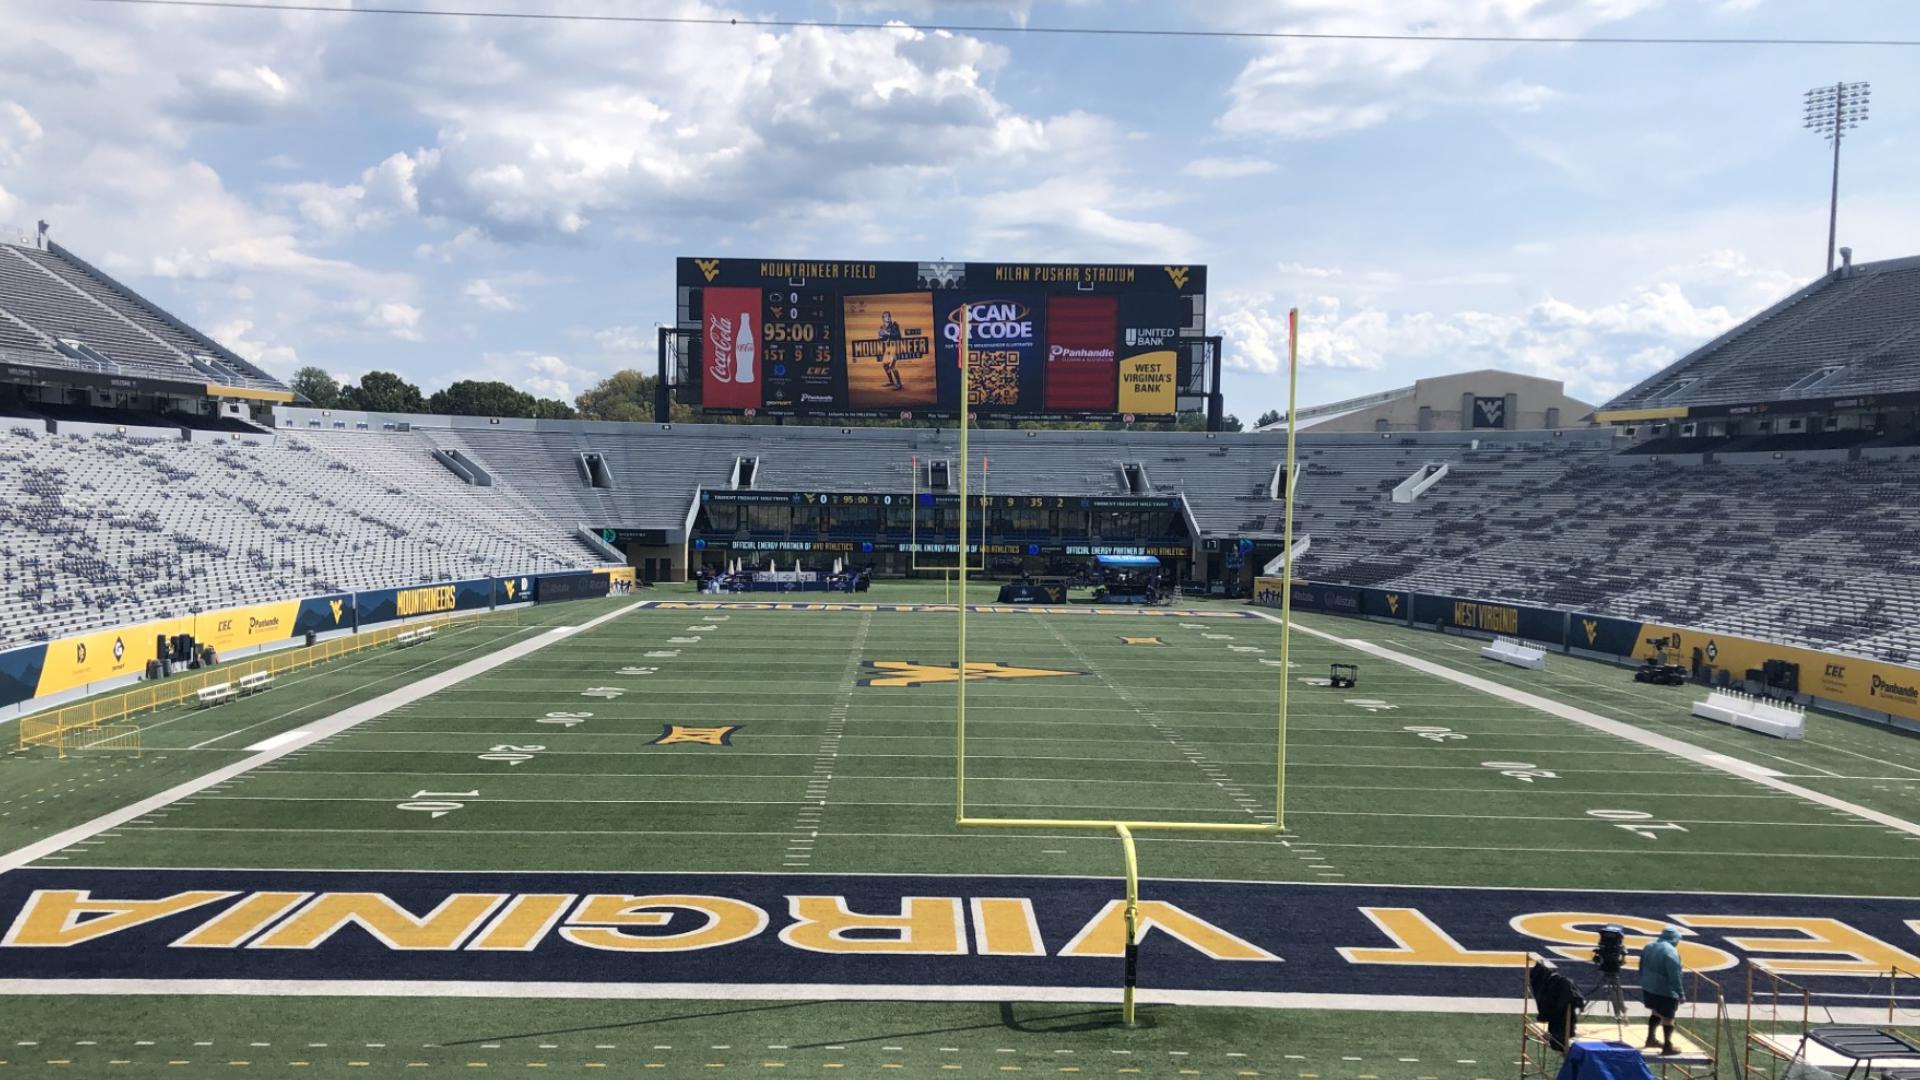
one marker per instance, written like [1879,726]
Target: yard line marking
[281,739]
[1653,740]
[332,725]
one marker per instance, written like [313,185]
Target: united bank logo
[709,268]
[913,673]
[1178,274]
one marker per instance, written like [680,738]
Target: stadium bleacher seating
[50,295]
[107,530]
[1850,332]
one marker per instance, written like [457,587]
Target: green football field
[790,753]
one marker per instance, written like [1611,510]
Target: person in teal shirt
[1660,986]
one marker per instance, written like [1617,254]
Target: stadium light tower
[1832,111]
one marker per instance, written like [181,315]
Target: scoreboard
[832,338]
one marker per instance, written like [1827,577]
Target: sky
[460,197]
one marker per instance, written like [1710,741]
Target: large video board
[783,337]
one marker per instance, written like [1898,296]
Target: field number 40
[1637,822]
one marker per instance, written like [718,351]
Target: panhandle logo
[1592,628]
[708,267]
[254,626]
[1892,689]
[1393,603]
[911,673]
[1141,641]
[338,606]
[672,734]
[1178,274]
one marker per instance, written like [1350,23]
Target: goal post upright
[1125,829]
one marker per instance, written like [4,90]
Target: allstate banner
[386,605]
[584,585]
[1852,680]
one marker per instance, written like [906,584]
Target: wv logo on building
[338,606]
[1393,603]
[911,673]
[1178,274]
[1592,628]
[708,267]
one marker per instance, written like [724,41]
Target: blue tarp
[1591,1059]
[1122,561]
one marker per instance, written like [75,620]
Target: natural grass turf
[1182,729]
[207,1036]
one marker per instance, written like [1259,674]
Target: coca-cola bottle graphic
[743,350]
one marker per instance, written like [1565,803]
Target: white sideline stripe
[1743,766]
[281,739]
[807,992]
[1687,751]
[331,726]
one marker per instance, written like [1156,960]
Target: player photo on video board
[890,351]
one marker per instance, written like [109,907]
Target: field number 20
[1524,771]
[1434,734]
[1637,822]
[435,803]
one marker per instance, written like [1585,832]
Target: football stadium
[938,684]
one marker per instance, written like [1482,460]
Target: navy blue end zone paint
[20,672]
[1303,925]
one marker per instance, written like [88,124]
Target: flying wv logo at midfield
[909,673]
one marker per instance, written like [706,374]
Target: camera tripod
[1616,998]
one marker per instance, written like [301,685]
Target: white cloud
[385,191]
[240,336]
[483,293]
[19,131]
[1315,89]
[1226,168]
[393,318]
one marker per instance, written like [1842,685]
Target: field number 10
[1637,822]
[1524,771]
[435,804]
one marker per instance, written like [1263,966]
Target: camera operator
[1660,986]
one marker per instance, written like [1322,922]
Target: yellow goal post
[1125,829]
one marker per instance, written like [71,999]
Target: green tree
[473,397]
[383,391]
[1231,422]
[549,409]
[1271,416]
[628,396]
[316,386]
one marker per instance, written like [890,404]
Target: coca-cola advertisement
[1082,372]
[732,378]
